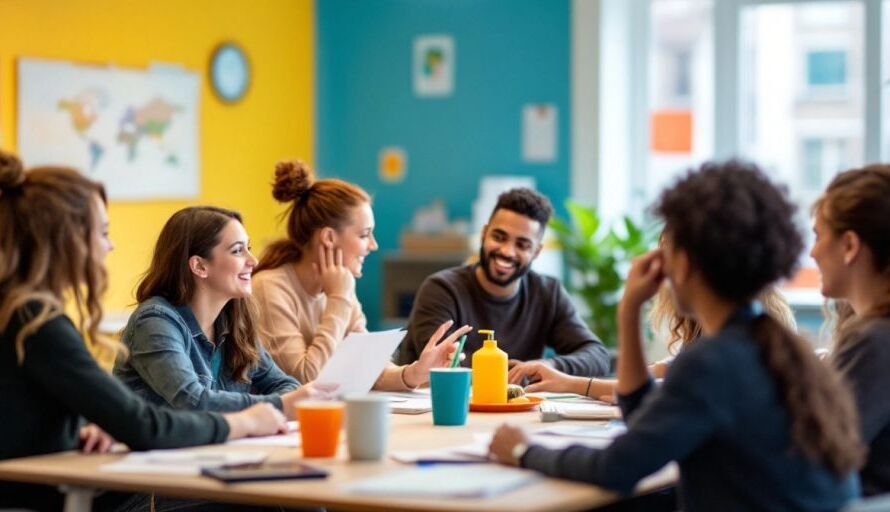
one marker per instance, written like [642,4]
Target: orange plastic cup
[320,424]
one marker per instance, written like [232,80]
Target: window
[821,160]
[884,74]
[680,90]
[788,84]
[826,68]
[798,133]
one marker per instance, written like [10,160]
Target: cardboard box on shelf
[412,242]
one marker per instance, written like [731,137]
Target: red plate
[533,402]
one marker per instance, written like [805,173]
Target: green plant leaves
[597,260]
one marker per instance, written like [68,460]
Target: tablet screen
[265,471]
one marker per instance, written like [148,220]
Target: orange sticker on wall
[392,164]
[671,131]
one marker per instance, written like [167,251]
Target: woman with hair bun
[852,251]
[753,418]
[305,283]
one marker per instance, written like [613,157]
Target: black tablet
[265,471]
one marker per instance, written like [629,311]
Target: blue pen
[460,346]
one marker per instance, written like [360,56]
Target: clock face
[229,72]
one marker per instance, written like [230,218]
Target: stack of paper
[587,410]
[291,439]
[408,402]
[181,462]
[609,430]
[473,452]
[464,481]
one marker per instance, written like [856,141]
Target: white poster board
[539,133]
[136,131]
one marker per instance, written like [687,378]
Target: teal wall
[508,53]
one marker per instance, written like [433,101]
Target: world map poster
[134,130]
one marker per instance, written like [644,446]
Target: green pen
[460,346]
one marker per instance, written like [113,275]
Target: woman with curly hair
[754,419]
[852,251]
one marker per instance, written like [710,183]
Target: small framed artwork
[434,66]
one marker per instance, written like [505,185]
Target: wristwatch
[518,451]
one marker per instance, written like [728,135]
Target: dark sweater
[45,398]
[540,314]
[864,361]
[719,416]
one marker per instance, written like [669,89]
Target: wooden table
[79,474]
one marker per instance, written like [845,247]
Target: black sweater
[540,314]
[719,416]
[45,398]
[864,362]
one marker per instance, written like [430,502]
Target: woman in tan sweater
[305,283]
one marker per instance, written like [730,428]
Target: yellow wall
[239,144]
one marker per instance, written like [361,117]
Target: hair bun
[12,172]
[292,180]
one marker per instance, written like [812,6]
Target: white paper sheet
[359,359]
[180,462]
[291,439]
[539,133]
[462,481]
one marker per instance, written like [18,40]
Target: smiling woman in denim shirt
[192,339]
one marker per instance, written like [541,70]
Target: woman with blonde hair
[305,283]
[852,251]
[53,243]
[681,331]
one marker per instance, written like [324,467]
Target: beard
[486,259]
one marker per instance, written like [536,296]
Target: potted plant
[597,258]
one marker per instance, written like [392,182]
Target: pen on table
[460,346]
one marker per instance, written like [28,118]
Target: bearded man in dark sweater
[528,311]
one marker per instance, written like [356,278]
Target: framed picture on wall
[433,65]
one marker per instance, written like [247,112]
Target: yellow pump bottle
[489,372]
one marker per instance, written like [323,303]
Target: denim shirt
[171,363]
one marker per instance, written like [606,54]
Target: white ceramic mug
[367,426]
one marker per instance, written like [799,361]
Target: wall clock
[229,72]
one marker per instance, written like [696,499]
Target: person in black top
[528,311]
[852,251]
[754,419]
[53,241]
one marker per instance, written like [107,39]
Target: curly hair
[738,231]
[735,225]
[684,330]
[526,201]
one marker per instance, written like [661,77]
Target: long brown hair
[195,231]
[737,229]
[47,243]
[683,330]
[313,205]
[857,201]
